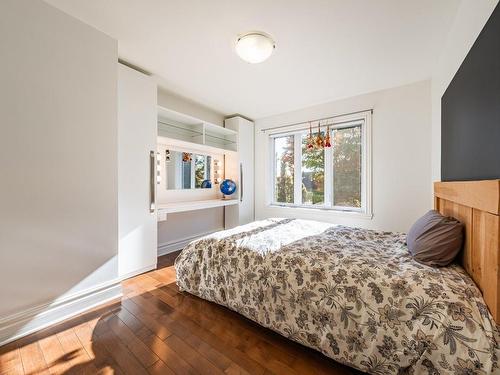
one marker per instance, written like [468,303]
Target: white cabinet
[240,168]
[137,132]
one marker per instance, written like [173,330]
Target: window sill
[330,211]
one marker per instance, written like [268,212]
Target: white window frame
[363,119]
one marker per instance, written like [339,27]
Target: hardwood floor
[155,329]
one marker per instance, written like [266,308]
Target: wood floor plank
[32,359]
[160,368]
[169,356]
[76,355]
[197,361]
[164,276]
[132,322]
[125,359]
[101,358]
[148,320]
[54,355]
[234,369]
[136,346]
[210,353]
[10,360]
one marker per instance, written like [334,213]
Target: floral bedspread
[353,294]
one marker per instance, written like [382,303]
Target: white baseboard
[34,319]
[138,272]
[169,247]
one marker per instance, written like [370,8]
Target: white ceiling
[326,50]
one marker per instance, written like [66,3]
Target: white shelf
[170,208]
[180,145]
[219,130]
[172,124]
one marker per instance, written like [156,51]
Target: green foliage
[284,179]
[347,167]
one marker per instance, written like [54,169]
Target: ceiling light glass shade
[255,47]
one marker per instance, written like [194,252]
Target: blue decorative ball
[206,184]
[228,187]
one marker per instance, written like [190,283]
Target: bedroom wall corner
[401,149]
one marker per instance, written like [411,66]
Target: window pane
[346,145]
[284,167]
[313,173]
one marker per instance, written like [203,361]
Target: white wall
[181,227]
[401,148]
[470,20]
[58,158]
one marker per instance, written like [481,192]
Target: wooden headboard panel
[477,205]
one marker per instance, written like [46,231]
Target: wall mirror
[188,170]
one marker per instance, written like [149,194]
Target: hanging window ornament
[319,138]
[328,143]
[310,140]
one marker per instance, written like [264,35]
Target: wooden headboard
[477,205]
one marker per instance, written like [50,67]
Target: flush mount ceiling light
[255,47]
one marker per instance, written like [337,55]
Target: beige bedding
[353,294]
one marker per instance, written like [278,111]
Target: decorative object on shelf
[319,138]
[310,139]
[206,184]
[186,157]
[254,47]
[216,171]
[327,143]
[227,187]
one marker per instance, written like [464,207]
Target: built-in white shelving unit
[185,214]
[184,133]
[172,124]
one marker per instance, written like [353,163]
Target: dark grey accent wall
[470,111]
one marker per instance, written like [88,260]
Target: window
[336,177]
[347,167]
[284,167]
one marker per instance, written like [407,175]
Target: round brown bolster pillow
[435,240]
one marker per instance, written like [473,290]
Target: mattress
[353,294]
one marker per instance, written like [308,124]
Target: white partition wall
[240,168]
[137,131]
[58,167]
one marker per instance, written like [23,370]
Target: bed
[356,295]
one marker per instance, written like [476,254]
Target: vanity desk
[169,208]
